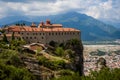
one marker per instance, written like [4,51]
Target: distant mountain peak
[91,29]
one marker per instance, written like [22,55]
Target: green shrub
[69,54]
[53,43]
[15,60]
[54,65]
[8,72]
[103,74]
[42,60]
[7,54]
[59,51]
[69,77]
[10,57]
[66,72]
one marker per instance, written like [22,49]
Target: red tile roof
[35,46]
[50,25]
[28,28]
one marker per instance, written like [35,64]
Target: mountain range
[91,29]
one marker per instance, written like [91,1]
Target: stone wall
[46,37]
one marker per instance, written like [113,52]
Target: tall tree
[5,38]
[13,37]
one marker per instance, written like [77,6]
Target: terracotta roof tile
[27,28]
[51,25]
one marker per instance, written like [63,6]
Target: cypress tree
[5,38]
[13,37]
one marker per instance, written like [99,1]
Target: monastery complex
[43,33]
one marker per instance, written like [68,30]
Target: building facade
[43,33]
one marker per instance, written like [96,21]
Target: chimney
[48,22]
[33,24]
[42,23]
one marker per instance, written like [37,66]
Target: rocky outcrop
[77,47]
[32,65]
[39,71]
[45,72]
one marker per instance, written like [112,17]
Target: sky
[99,9]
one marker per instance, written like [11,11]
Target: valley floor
[111,55]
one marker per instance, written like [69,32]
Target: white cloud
[104,10]
[100,9]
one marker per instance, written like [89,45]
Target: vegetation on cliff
[57,60]
[103,74]
[61,61]
[12,68]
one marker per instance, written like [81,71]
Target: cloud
[23,1]
[100,9]
[105,10]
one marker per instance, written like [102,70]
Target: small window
[36,33]
[59,33]
[34,37]
[30,37]
[22,33]
[40,33]
[18,32]
[56,33]
[27,33]
[23,37]
[42,37]
[43,33]
[49,33]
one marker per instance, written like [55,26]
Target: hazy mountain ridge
[91,28]
[115,23]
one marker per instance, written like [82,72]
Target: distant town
[111,53]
